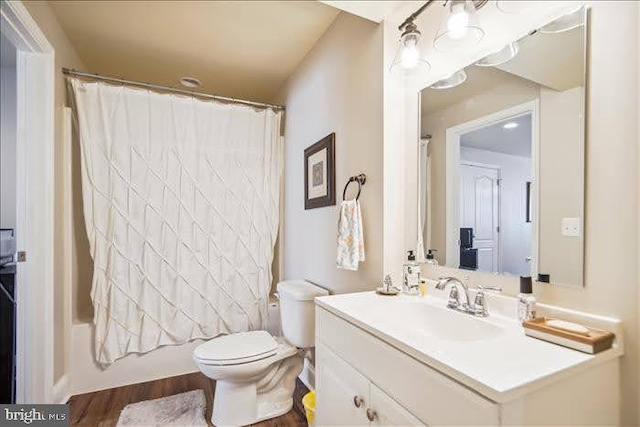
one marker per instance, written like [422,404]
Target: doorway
[480,212]
[491,197]
[34,191]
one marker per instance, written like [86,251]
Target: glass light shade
[505,54]
[565,23]
[407,62]
[455,79]
[461,29]
[516,6]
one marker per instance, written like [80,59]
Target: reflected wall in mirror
[501,164]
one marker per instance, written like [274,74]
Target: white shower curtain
[181,202]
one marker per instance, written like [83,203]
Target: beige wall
[65,56]
[561,183]
[337,88]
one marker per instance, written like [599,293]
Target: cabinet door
[388,412]
[338,386]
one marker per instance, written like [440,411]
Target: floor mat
[184,409]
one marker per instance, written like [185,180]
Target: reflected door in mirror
[479,192]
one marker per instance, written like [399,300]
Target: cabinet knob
[371,414]
[358,401]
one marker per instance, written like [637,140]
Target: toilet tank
[297,311]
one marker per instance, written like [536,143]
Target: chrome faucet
[454,295]
[479,307]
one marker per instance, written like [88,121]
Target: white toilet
[255,372]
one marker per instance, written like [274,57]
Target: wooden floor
[102,408]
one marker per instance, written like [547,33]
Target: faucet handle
[454,298]
[480,302]
[480,305]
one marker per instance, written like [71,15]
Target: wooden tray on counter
[595,341]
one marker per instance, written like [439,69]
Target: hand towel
[350,236]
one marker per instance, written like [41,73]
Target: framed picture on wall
[320,173]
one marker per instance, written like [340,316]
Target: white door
[479,209]
[388,412]
[342,393]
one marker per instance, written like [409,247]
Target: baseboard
[60,393]
[308,375]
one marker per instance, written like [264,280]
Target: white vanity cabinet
[359,366]
[353,400]
[351,362]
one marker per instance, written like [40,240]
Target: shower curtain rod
[70,72]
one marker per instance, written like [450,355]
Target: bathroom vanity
[411,361]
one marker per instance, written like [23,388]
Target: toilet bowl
[255,372]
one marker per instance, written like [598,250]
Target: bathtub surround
[181,201]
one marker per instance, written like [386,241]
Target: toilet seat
[237,349]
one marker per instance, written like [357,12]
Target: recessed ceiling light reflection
[453,80]
[510,125]
[505,54]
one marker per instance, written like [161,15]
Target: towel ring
[360,179]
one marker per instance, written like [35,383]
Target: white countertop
[502,367]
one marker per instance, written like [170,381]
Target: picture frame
[320,173]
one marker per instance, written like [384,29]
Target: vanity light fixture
[407,60]
[502,56]
[455,79]
[461,29]
[510,125]
[566,22]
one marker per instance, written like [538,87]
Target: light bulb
[458,22]
[410,54]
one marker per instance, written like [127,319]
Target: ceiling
[515,142]
[243,49]
[7,53]
[378,10]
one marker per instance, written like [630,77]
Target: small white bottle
[411,275]
[526,300]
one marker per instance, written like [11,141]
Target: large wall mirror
[501,158]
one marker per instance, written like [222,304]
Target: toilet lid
[237,348]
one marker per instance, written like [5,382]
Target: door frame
[498,169]
[35,84]
[453,135]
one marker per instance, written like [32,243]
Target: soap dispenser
[411,273]
[526,300]
[430,259]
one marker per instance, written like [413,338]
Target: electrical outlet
[571,227]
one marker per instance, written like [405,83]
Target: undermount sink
[445,324]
